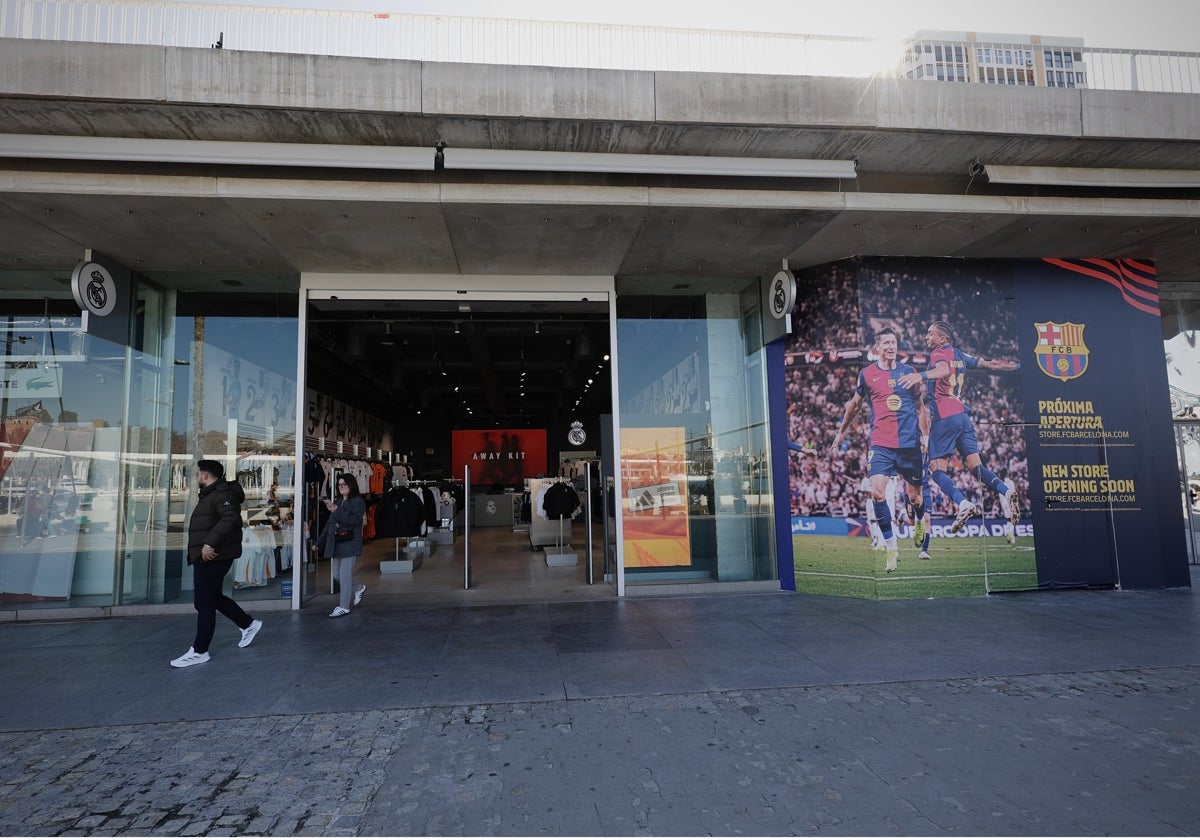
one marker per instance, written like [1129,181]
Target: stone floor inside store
[505,569]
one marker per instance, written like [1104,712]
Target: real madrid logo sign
[94,289]
[783,293]
[577,435]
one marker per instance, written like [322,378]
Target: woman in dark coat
[346,514]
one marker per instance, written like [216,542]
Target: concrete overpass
[191,223]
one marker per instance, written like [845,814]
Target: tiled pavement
[1062,713]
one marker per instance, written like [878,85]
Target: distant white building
[995,59]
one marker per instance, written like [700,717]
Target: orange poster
[654,475]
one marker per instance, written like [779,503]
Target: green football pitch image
[956,567]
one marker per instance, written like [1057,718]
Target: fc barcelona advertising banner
[1104,479]
[959,427]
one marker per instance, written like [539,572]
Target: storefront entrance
[101,436]
[468,406]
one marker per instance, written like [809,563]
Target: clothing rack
[557,549]
[519,502]
[414,552]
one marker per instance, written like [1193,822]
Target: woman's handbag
[342,533]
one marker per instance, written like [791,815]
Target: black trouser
[208,578]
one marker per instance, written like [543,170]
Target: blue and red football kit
[950,427]
[895,430]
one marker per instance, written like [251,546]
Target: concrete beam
[30,67]
[285,80]
[559,93]
[905,104]
[1161,116]
[732,98]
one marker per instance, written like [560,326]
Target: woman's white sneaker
[338,612]
[358,593]
[190,658]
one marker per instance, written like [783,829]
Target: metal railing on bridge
[523,42]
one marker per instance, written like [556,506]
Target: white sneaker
[893,559]
[358,593]
[190,658]
[250,632]
[338,612]
[924,555]
[965,511]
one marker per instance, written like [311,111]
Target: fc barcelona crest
[1060,350]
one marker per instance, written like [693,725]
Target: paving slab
[1067,713]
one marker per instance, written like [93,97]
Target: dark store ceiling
[513,364]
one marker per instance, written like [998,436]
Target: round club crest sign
[94,289]
[783,293]
[576,436]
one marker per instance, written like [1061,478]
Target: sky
[1145,24]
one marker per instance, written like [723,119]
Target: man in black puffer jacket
[214,542]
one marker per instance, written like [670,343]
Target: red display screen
[499,456]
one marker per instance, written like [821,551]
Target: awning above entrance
[187,230]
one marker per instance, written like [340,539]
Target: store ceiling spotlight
[1083,176]
[457,328]
[523,160]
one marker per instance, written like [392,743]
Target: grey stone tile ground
[1108,752]
[1064,713]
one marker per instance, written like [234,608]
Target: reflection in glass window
[236,403]
[695,462]
[1181,342]
[64,432]
[98,439]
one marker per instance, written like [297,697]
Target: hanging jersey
[429,497]
[399,513]
[560,500]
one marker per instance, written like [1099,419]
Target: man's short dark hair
[880,333]
[213,468]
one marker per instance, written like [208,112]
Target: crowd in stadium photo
[838,313]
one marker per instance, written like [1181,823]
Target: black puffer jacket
[217,521]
